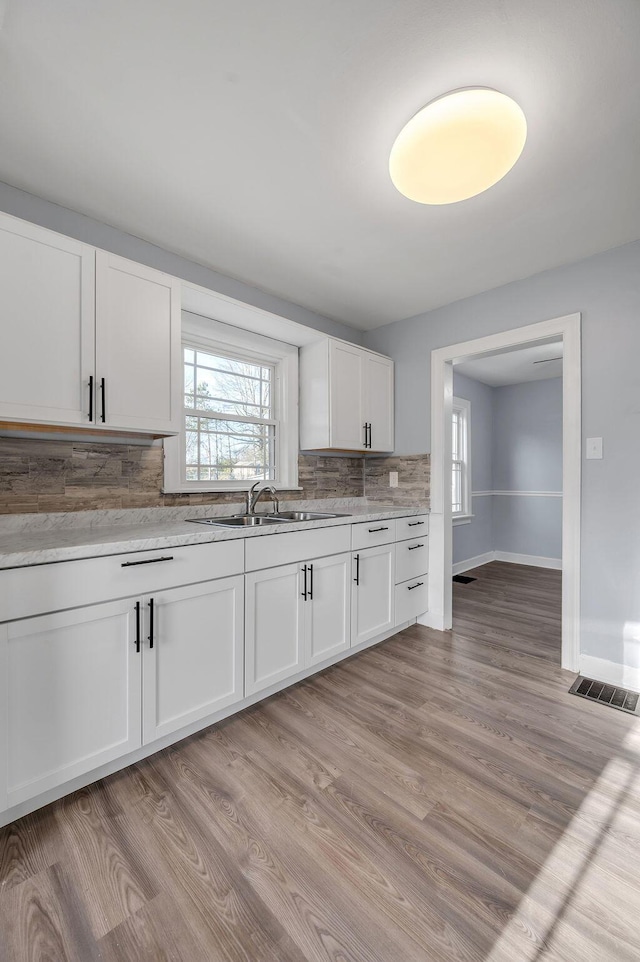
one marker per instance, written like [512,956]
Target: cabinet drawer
[286,548]
[368,534]
[412,599]
[416,527]
[412,559]
[55,587]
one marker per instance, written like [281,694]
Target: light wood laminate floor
[440,797]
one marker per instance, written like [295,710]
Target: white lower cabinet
[274,626]
[71,699]
[372,593]
[327,613]
[84,687]
[192,662]
[296,616]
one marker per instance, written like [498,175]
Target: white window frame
[204,334]
[462,407]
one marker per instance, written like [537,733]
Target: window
[460,459]
[229,418]
[240,411]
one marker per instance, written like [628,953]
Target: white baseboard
[430,619]
[610,671]
[515,559]
[480,559]
[528,559]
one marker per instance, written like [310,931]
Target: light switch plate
[594,449]
[393,479]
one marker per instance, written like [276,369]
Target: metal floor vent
[620,698]
[463,579]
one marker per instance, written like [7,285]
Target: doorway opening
[520,504]
[507,495]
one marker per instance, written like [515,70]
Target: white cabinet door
[70,698]
[327,610]
[194,667]
[346,396]
[378,405]
[373,592]
[138,368]
[47,338]
[274,617]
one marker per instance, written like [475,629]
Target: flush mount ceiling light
[458,146]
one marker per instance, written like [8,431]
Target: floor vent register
[611,695]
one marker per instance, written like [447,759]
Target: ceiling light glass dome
[458,146]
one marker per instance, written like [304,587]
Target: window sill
[223,489]
[462,519]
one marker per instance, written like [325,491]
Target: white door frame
[440,527]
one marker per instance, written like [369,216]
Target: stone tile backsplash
[42,476]
[413,478]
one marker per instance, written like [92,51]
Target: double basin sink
[253,520]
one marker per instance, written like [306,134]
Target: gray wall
[606,289]
[516,445]
[527,456]
[42,212]
[527,436]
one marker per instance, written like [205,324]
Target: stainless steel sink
[238,521]
[252,520]
[304,516]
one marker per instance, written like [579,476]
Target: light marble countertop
[42,539]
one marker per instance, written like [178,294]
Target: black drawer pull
[103,396]
[412,524]
[138,627]
[151,610]
[374,530]
[414,546]
[91,397]
[147,561]
[305,591]
[419,585]
[357,577]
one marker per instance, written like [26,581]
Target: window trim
[205,334]
[463,407]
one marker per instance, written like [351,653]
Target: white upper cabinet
[137,346]
[88,339]
[378,403]
[346,398]
[47,303]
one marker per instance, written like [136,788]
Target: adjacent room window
[240,415]
[460,458]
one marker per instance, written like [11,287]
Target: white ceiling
[254,137]
[536,363]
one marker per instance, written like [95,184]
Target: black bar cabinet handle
[418,585]
[103,416]
[147,561]
[304,590]
[375,530]
[91,397]
[414,546]
[412,524]
[366,436]
[310,582]
[138,627]
[357,577]
[369,445]
[151,623]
